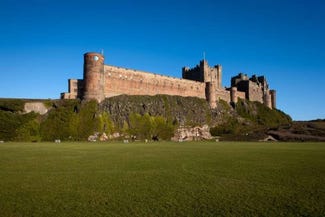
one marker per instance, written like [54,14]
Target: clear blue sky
[42,43]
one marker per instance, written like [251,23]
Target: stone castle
[102,81]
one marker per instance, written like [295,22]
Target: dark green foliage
[231,126]
[57,123]
[71,120]
[146,127]
[249,122]
[261,114]
[143,116]
[105,123]
[29,131]
[11,124]
[88,119]
[13,105]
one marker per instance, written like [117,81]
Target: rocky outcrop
[183,110]
[37,107]
[192,133]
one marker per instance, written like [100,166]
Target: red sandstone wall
[133,82]
[255,92]
[93,76]
[241,94]
[223,94]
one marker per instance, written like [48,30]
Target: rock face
[37,107]
[103,137]
[184,110]
[192,133]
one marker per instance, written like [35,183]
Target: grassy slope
[162,179]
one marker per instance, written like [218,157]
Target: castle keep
[102,81]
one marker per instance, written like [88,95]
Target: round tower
[94,76]
[233,94]
[210,91]
[273,98]
[267,99]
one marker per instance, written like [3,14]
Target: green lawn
[162,179]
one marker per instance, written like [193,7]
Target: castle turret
[205,72]
[273,98]
[267,99]
[210,92]
[233,94]
[93,76]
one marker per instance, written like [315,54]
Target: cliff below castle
[141,117]
[243,120]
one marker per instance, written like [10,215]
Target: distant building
[101,81]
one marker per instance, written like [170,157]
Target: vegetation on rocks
[12,124]
[12,105]
[249,121]
[146,127]
[261,114]
[142,117]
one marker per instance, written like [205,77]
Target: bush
[261,114]
[71,120]
[147,127]
[13,105]
[30,132]
[10,123]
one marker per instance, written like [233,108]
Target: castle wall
[75,88]
[103,81]
[255,93]
[267,99]
[194,74]
[204,73]
[223,95]
[273,98]
[241,95]
[120,80]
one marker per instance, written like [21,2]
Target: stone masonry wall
[120,80]
[223,94]
[255,92]
[103,81]
[241,95]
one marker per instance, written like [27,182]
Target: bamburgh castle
[102,81]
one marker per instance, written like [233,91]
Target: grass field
[162,179]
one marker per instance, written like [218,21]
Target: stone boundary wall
[120,80]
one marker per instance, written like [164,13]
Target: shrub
[13,105]
[146,126]
[10,123]
[261,114]
[71,120]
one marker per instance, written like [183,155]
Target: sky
[42,43]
